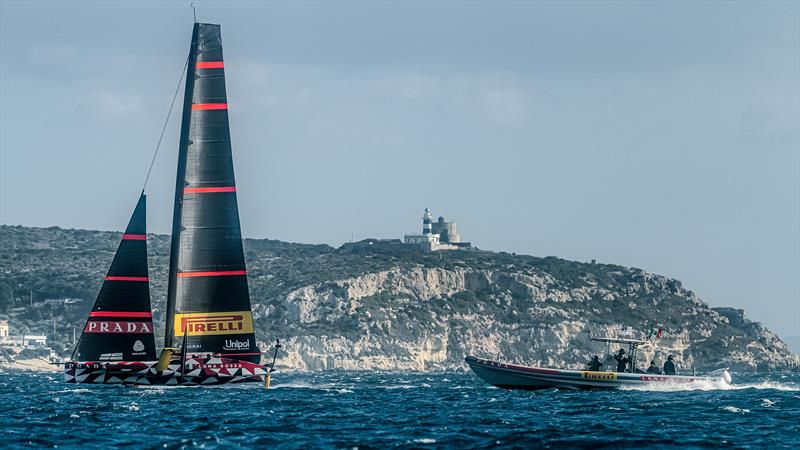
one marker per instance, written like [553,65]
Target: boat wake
[716,385]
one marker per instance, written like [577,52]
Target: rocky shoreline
[28,365]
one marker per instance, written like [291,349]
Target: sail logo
[108,326]
[138,348]
[231,344]
[204,324]
[111,357]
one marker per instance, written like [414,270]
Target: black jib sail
[208,296]
[120,326]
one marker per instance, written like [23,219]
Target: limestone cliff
[428,318]
[389,307]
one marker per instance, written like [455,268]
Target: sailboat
[208,301]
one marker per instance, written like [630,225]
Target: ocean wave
[735,409]
[75,391]
[301,385]
[330,410]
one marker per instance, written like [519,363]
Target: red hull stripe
[134,237]
[120,314]
[226,273]
[239,354]
[210,65]
[208,106]
[127,278]
[207,190]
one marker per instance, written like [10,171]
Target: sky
[658,135]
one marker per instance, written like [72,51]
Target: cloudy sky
[657,135]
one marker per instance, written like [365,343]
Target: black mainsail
[208,298]
[120,326]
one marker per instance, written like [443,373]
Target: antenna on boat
[194,13]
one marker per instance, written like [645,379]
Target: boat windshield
[633,345]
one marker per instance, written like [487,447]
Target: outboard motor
[722,373]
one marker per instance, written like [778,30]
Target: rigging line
[169,113]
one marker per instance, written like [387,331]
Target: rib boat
[208,308]
[512,376]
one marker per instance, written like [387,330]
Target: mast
[180,183]
[208,298]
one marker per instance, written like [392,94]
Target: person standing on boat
[669,366]
[653,368]
[622,360]
[595,365]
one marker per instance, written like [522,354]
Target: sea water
[396,410]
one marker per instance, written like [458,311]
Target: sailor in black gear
[595,364]
[653,368]
[669,366]
[622,360]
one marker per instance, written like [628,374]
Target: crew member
[653,368]
[669,366]
[622,360]
[595,364]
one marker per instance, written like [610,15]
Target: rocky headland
[383,306]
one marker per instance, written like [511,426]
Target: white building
[26,340]
[33,340]
[428,240]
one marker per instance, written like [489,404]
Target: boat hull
[200,371]
[510,376]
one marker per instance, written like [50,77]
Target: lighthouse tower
[427,222]
[434,234]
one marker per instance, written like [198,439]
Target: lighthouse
[427,222]
[435,236]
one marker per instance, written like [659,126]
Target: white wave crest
[75,391]
[734,409]
[397,386]
[313,386]
[150,390]
[161,388]
[713,385]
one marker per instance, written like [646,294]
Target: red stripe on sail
[210,65]
[225,273]
[114,278]
[207,190]
[208,106]
[134,237]
[120,314]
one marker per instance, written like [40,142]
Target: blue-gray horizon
[664,136]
